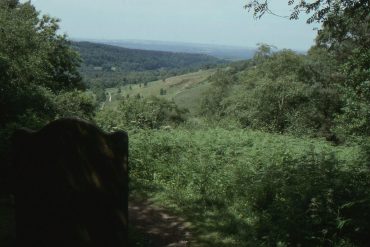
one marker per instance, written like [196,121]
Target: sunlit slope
[186,90]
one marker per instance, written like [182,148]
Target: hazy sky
[223,22]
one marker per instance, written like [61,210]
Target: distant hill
[110,66]
[219,51]
[108,56]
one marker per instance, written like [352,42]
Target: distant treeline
[113,66]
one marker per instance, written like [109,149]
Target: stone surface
[71,186]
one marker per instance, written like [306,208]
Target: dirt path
[157,226]
[109,100]
[110,97]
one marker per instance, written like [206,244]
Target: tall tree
[35,61]
[345,35]
[38,73]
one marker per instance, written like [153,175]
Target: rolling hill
[107,56]
[113,66]
[219,51]
[186,90]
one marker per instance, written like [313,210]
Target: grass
[191,98]
[186,90]
[203,174]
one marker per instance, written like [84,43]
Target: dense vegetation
[323,93]
[281,92]
[278,154]
[247,188]
[38,72]
[142,113]
[39,82]
[341,57]
[112,66]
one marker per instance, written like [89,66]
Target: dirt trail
[157,226]
[110,97]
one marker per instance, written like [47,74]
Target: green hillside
[186,90]
[111,66]
[138,60]
[275,151]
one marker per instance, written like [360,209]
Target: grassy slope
[186,90]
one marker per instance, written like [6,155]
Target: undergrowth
[247,188]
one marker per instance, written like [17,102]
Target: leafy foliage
[310,201]
[75,104]
[142,113]
[320,9]
[344,37]
[256,189]
[239,187]
[34,59]
[281,92]
[38,69]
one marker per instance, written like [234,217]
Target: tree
[34,59]
[162,91]
[142,112]
[344,35]
[263,52]
[37,70]
[320,10]
[98,89]
[75,104]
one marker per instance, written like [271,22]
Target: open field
[186,90]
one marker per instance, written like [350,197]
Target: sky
[222,22]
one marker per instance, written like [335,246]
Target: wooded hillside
[107,56]
[105,66]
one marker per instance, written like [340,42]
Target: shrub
[312,200]
[141,113]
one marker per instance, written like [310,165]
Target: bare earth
[157,226]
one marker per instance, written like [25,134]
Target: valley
[228,146]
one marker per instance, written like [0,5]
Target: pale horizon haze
[219,22]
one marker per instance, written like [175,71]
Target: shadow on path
[156,226]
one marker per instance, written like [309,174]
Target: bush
[285,92]
[312,200]
[75,104]
[142,113]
